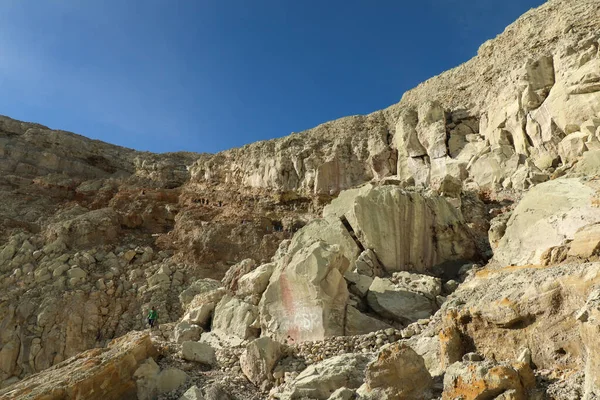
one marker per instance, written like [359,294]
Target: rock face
[398,373]
[367,226]
[199,352]
[407,231]
[95,374]
[307,295]
[235,317]
[548,216]
[590,327]
[327,159]
[586,242]
[321,380]
[472,380]
[398,303]
[259,359]
[529,307]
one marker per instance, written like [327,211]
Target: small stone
[472,357]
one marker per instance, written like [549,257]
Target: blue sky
[207,75]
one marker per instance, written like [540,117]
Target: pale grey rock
[199,352]
[193,393]
[233,316]
[185,331]
[146,375]
[547,216]
[330,230]
[199,287]
[307,295]
[406,230]
[398,303]
[572,147]
[233,274]
[259,359]
[358,323]
[367,264]
[170,379]
[255,282]
[357,283]
[320,380]
[586,242]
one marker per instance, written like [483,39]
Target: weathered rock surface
[586,242]
[590,327]
[307,295]
[505,310]
[398,302]
[199,352]
[92,235]
[358,323]
[319,381]
[398,373]
[547,216]
[481,380]
[95,374]
[259,359]
[192,393]
[406,230]
[236,317]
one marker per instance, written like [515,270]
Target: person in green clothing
[152,316]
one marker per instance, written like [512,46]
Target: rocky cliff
[445,247]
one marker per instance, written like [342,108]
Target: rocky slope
[446,247]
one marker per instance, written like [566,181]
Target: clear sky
[207,75]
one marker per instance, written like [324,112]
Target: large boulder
[185,331]
[503,310]
[259,359]
[398,373]
[330,230]
[486,380]
[358,323]
[170,379]
[572,147]
[589,164]
[320,380]
[406,230]
[233,274]
[202,291]
[398,302]
[549,215]
[198,352]
[307,295]
[254,283]
[236,317]
[145,377]
[586,242]
[86,375]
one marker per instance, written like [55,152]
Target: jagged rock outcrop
[480,380]
[92,235]
[321,380]
[397,373]
[406,230]
[548,216]
[96,374]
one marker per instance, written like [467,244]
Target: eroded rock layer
[445,247]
